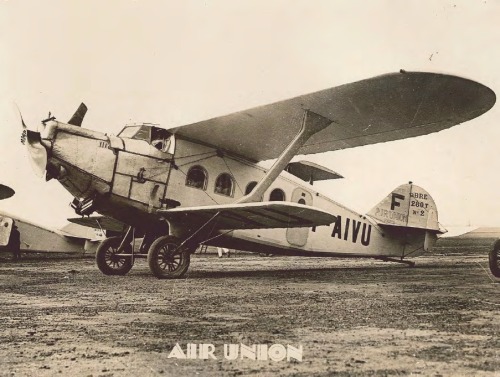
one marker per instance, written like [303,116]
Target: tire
[494,259]
[109,261]
[166,260]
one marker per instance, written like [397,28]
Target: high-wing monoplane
[202,183]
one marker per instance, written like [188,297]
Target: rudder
[407,206]
[409,213]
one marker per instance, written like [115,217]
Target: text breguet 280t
[201,183]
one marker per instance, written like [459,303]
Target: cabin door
[298,236]
[141,178]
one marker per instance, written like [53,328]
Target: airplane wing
[252,215]
[99,222]
[5,192]
[384,108]
[309,171]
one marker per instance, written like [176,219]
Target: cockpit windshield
[129,131]
[155,136]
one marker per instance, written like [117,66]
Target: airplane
[202,183]
[473,238]
[37,238]
[32,237]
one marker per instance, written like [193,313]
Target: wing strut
[199,229]
[311,124]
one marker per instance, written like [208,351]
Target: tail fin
[407,206]
[410,214]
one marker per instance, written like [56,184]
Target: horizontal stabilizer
[253,215]
[311,172]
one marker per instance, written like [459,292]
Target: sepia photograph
[249,188]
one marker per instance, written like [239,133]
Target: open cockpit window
[159,138]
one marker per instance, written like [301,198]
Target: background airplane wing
[5,192]
[252,215]
[384,108]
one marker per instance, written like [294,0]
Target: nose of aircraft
[37,147]
[37,152]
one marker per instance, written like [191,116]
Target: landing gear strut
[167,259]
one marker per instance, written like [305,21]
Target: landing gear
[110,261]
[494,259]
[409,263]
[167,259]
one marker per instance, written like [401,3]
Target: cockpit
[159,138]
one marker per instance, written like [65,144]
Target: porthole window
[250,187]
[197,177]
[224,185]
[277,195]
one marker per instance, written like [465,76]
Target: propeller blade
[5,192]
[21,116]
[23,135]
[77,118]
[37,152]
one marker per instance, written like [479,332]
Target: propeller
[37,151]
[5,192]
[77,118]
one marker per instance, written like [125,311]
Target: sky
[177,62]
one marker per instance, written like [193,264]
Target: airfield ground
[352,317]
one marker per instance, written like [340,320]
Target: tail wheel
[167,260]
[494,258]
[109,261]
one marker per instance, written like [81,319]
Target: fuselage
[128,177]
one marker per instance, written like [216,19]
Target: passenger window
[197,177]
[277,195]
[224,185]
[250,187]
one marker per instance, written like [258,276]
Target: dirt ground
[352,317]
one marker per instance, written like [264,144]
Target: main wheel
[494,258]
[166,259]
[109,261]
